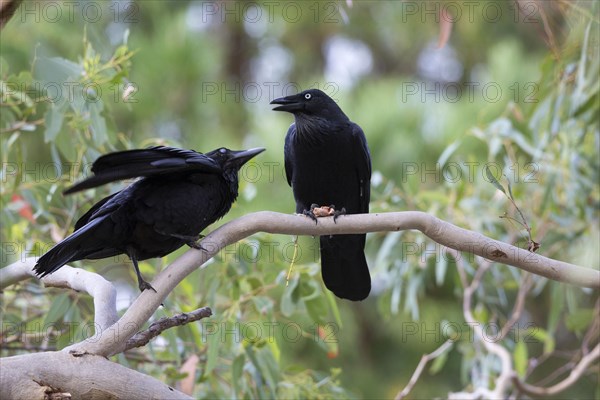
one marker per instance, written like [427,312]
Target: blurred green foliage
[200,75]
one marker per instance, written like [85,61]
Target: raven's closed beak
[289,103]
[243,156]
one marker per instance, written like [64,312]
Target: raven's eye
[307,96]
[222,150]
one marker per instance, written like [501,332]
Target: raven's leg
[191,241]
[142,284]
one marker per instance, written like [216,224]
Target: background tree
[200,75]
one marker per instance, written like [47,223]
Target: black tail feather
[344,266]
[69,249]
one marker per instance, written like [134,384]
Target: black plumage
[327,162]
[180,193]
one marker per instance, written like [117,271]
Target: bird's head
[312,102]
[233,159]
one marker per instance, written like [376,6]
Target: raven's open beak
[241,157]
[289,103]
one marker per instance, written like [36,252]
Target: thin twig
[519,305]
[18,125]
[573,377]
[593,331]
[590,336]
[156,328]
[506,369]
[557,372]
[422,363]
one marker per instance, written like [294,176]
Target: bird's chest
[324,173]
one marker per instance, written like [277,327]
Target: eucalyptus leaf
[492,179]
[60,305]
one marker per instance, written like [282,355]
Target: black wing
[363,166]
[288,153]
[158,160]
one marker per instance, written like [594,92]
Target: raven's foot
[196,244]
[310,213]
[143,285]
[337,213]
[327,211]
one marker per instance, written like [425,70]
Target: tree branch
[7,10]
[518,307]
[506,368]
[573,377]
[102,291]
[37,376]
[156,328]
[113,340]
[422,363]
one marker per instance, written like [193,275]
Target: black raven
[180,193]
[327,161]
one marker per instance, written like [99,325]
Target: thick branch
[102,291]
[440,231]
[34,376]
[114,339]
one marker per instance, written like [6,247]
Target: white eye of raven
[222,150]
[307,96]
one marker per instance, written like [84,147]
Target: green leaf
[391,240]
[262,367]
[56,70]
[592,102]
[412,303]
[579,320]
[481,313]
[237,368]
[439,362]
[268,366]
[64,143]
[557,296]
[60,305]
[288,305]
[97,122]
[510,194]
[3,66]
[440,270]
[308,289]
[492,179]
[448,152]
[334,307]
[540,335]
[53,120]
[213,345]
[263,305]
[317,308]
[521,356]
